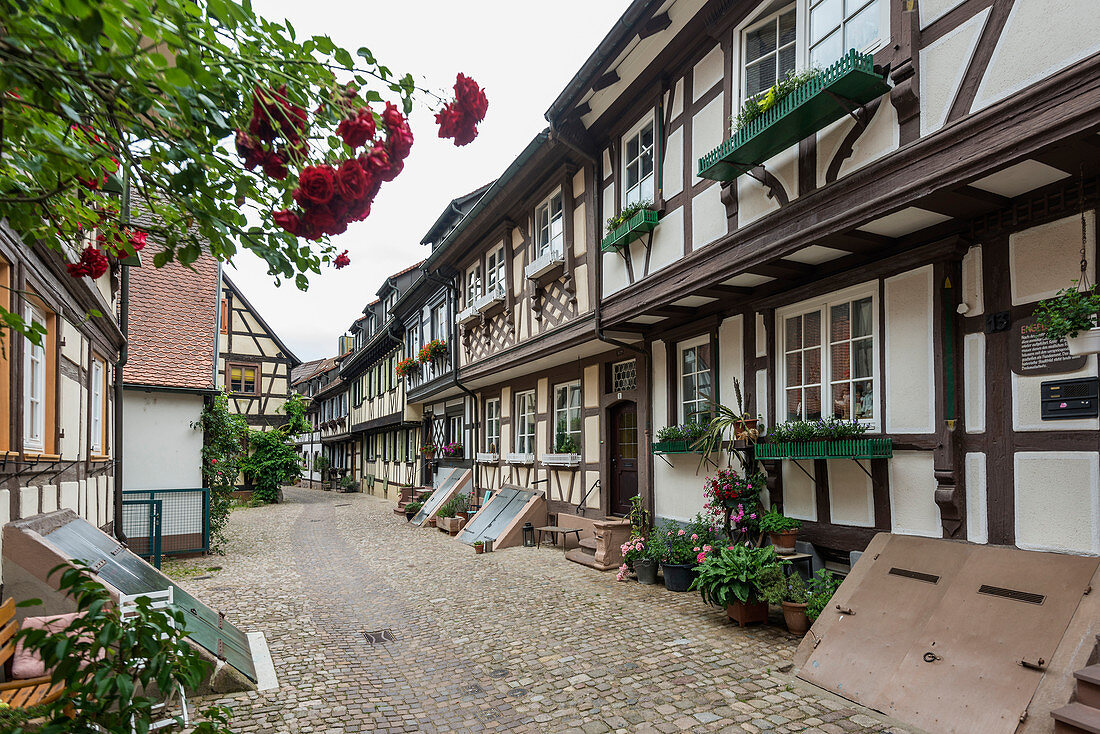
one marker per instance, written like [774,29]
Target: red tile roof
[172,332]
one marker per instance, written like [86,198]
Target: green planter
[672,447]
[798,115]
[845,448]
[645,220]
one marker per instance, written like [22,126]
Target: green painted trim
[645,220]
[857,448]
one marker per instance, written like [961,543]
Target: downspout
[123,356]
[452,290]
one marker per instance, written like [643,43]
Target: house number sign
[1031,353]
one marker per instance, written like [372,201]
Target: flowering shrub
[690,432]
[435,349]
[407,367]
[678,545]
[822,429]
[734,502]
[453,448]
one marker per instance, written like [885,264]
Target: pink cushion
[27,663]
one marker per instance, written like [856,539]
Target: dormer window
[638,178]
[549,228]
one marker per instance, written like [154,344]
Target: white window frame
[542,247]
[492,425]
[571,388]
[823,304]
[770,19]
[34,403]
[96,444]
[439,327]
[456,428]
[877,43]
[495,270]
[473,284]
[525,440]
[681,400]
[628,195]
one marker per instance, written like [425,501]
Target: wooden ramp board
[492,519]
[947,636]
[447,479]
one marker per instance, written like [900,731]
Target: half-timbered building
[59,398]
[305,379]
[253,362]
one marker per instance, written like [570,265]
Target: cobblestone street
[518,640]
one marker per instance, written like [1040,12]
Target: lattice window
[624,375]
[439,431]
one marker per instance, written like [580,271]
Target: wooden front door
[624,456]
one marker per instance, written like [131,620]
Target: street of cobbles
[517,640]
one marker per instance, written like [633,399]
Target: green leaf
[91,26]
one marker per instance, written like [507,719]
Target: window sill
[520,459]
[40,456]
[561,461]
[99,457]
[487,458]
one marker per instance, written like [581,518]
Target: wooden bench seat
[21,694]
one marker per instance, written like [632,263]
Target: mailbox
[1065,399]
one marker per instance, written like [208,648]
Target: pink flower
[694,536]
[700,558]
[748,544]
[753,516]
[696,549]
[680,533]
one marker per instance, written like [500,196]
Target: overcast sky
[522,53]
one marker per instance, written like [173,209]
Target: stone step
[1076,718]
[589,543]
[583,557]
[1088,685]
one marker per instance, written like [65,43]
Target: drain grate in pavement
[517,692]
[380,637]
[489,713]
[498,673]
[474,688]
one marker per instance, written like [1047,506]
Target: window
[696,394]
[34,399]
[473,285]
[455,432]
[225,316]
[624,376]
[414,341]
[829,357]
[494,271]
[492,425]
[567,418]
[439,320]
[525,422]
[410,446]
[97,406]
[5,365]
[638,165]
[839,25]
[549,230]
[242,378]
[770,51]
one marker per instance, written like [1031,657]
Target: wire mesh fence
[178,522]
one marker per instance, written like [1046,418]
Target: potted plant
[734,501]
[734,578]
[433,350]
[348,484]
[479,546]
[789,593]
[407,367]
[679,560]
[428,450]
[819,593]
[638,555]
[452,450]
[1071,315]
[781,530]
[321,465]
[411,509]
[678,438]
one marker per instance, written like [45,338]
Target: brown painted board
[979,686]
[858,655]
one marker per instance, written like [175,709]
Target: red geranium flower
[342,260]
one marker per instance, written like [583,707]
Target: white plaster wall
[72,419]
[761,336]
[673,174]
[659,404]
[1058,501]
[1026,411]
[5,518]
[731,361]
[708,217]
[162,450]
[909,379]
[1040,38]
[977,513]
[974,382]
[708,130]
[707,73]
[606,158]
[881,137]
[763,407]
[752,201]
[70,497]
[1045,259]
[973,293]
[49,498]
[28,501]
[668,240]
[850,494]
[799,492]
[677,99]
[913,508]
[614,274]
[931,10]
[943,65]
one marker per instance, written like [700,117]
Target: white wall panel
[851,501]
[943,65]
[913,508]
[977,514]
[1045,259]
[910,380]
[799,492]
[1058,501]
[974,382]
[708,217]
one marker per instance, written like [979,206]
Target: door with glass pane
[624,456]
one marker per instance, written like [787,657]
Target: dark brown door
[624,456]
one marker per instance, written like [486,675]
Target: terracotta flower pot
[751,613]
[745,429]
[646,570]
[431,522]
[795,617]
[479,549]
[784,542]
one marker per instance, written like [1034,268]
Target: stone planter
[795,617]
[678,576]
[750,613]
[646,570]
[784,542]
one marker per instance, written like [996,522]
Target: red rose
[357,130]
[340,209]
[275,165]
[359,210]
[274,114]
[317,184]
[399,137]
[471,98]
[351,182]
[448,119]
[248,149]
[322,220]
[138,239]
[396,166]
[289,221]
[342,260]
[92,263]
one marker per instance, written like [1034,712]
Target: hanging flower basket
[433,350]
